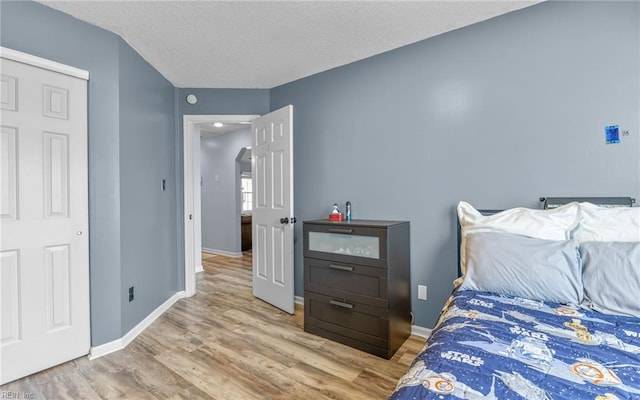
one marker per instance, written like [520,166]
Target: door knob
[284,220]
[294,220]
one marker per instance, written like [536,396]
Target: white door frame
[188,125]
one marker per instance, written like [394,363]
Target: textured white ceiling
[263,44]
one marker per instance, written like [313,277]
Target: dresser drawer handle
[340,304]
[341,230]
[341,267]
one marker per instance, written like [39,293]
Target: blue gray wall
[497,114]
[148,239]
[131,118]
[220,197]
[223,102]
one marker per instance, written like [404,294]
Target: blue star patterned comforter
[490,346]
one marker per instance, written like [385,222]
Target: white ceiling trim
[264,44]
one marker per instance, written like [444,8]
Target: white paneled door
[272,171]
[44,256]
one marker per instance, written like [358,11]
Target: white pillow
[537,269]
[554,224]
[611,276]
[604,224]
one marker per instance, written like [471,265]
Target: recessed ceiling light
[218,124]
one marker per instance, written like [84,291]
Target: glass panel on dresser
[350,245]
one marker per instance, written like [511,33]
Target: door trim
[40,62]
[188,125]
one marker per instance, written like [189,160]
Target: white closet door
[44,256]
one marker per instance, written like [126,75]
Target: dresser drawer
[341,242]
[363,284]
[347,318]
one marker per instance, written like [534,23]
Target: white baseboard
[119,344]
[199,268]
[222,252]
[298,300]
[104,349]
[420,331]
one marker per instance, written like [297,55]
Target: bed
[547,307]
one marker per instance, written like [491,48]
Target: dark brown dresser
[356,283]
[246,232]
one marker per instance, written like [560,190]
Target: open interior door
[272,171]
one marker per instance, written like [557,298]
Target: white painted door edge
[188,124]
[119,344]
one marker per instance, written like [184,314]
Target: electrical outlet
[422,292]
[131,294]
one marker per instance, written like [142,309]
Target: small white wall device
[192,99]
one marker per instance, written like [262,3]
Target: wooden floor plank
[223,343]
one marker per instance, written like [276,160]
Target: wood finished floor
[223,343]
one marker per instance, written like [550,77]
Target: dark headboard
[554,202]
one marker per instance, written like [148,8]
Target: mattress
[490,346]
